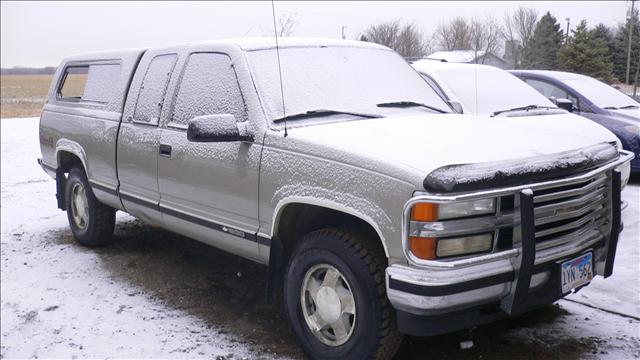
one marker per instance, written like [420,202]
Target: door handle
[165,150]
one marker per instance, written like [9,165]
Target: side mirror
[565,104]
[456,106]
[216,128]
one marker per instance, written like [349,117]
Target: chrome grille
[564,214]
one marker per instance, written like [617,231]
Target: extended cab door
[139,136]
[209,191]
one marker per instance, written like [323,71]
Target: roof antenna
[275,31]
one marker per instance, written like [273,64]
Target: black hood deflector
[513,172]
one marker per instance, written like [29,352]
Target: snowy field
[153,294]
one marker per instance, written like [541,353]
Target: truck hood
[422,144]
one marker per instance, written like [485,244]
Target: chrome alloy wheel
[328,304]
[79,206]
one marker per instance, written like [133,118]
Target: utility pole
[343,27]
[635,83]
[567,36]
[631,22]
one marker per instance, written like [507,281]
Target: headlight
[464,245]
[428,248]
[434,212]
[467,208]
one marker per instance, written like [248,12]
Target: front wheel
[91,222]
[335,297]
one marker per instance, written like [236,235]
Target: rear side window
[92,83]
[154,89]
[75,80]
[209,86]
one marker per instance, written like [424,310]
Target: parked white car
[481,89]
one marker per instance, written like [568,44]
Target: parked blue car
[594,100]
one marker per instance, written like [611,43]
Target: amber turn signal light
[424,212]
[423,248]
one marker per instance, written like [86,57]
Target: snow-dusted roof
[430,65]
[248,44]
[106,55]
[457,56]
[269,42]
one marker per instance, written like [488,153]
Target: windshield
[599,93]
[347,79]
[487,89]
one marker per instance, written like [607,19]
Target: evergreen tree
[605,33]
[547,39]
[585,54]
[621,48]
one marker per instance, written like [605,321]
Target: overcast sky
[43,33]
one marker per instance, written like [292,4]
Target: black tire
[98,229]
[375,334]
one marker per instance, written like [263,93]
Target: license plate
[576,272]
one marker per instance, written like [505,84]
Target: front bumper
[432,301]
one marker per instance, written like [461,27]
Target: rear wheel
[335,297]
[91,222]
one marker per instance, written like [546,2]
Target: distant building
[470,57]
[511,51]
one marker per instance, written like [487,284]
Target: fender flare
[276,266]
[72,147]
[328,204]
[66,145]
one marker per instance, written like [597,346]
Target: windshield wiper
[523,108]
[402,104]
[323,112]
[629,107]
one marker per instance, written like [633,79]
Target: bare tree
[480,35]
[286,22]
[455,35]
[518,31]
[485,36]
[411,43]
[406,39]
[383,33]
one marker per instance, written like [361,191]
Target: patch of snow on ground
[57,302]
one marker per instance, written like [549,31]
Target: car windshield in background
[601,94]
[350,79]
[486,90]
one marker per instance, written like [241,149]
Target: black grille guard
[515,302]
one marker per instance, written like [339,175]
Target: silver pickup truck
[377,210]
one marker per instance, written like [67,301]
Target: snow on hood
[422,144]
[633,113]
